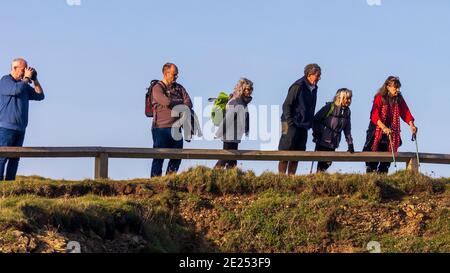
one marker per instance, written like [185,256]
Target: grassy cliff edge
[206,210]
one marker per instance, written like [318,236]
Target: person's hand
[414,129]
[387,131]
[29,72]
[351,148]
[284,127]
[316,136]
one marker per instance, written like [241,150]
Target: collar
[13,78]
[246,100]
[310,87]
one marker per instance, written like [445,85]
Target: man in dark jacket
[298,115]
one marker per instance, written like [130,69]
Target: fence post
[101,166]
[412,165]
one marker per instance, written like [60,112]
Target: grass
[207,210]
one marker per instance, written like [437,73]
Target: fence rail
[102,155]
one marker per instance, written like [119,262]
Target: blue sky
[95,60]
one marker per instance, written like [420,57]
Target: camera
[34,75]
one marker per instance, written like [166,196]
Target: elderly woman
[330,122]
[384,128]
[236,121]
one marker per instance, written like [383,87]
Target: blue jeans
[10,138]
[162,138]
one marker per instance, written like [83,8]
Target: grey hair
[241,85]
[341,94]
[18,60]
[312,69]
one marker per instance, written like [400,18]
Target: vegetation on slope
[206,210]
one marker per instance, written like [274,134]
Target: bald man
[167,94]
[15,94]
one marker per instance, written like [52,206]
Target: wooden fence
[102,154]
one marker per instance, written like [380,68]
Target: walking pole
[414,138]
[312,166]
[393,153]
[312,163]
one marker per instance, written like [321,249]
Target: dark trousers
[323,166]
[294,139]
[10,138]
[228,164]
[380,167]
[162,138]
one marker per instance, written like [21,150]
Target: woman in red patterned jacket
[388,107]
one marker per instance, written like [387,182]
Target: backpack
[218,109]
[329,111]
[149,107]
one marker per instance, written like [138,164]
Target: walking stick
[414,138]
[312,163]
[312,166]
[393,153]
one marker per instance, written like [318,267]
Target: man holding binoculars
[15,94]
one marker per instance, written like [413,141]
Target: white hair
[341,94]
[241,85]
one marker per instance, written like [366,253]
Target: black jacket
[330,123]
[300,105]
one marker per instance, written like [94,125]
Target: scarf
[390,114]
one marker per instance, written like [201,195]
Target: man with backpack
[164,95]
[298,115]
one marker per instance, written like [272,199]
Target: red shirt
[405,114]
